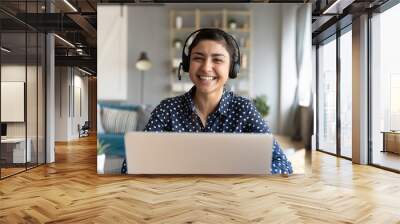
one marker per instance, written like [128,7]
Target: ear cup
[185,62]
[235,70]
[236,58]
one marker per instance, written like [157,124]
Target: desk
[391,141]
[13,150]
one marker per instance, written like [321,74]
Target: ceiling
[75,21]
[76,24]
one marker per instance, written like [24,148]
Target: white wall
[61,103]
[66,101]
[266,31]
[79,117]
[288,75]
[112,52]
[134,21]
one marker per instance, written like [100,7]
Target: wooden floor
[10,171]
[296,154]
[387,159]
[5,172]
[70,191]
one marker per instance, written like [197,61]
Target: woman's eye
[218,60]
[197,59]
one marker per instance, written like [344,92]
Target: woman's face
[209,66]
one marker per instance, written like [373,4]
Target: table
[13,150]
[391,141]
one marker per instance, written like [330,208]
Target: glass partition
[22,92]
[13,105]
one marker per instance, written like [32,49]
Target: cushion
[113,144]
[117,105]
[144,114]
[118,121]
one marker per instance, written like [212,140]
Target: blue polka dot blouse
[234,114]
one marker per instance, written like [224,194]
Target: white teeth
[206,77]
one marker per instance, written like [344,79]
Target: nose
[207,65]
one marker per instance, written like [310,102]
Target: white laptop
[198,153]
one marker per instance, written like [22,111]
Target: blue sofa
[112,145]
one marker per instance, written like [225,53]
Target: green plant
[261,104]
[101,148]
[231,21]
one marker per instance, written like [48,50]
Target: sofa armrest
[114,144]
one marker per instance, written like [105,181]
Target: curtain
[296,71]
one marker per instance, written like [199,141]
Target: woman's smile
[205,77]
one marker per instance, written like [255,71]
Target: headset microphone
[179,72]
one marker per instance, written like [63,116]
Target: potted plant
[101,156]
[260,102]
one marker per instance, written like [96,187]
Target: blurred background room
[140,48]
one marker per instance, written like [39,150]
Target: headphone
[235,65]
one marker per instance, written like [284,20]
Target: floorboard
[70,191]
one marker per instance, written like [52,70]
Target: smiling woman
[209,107]
[211,59]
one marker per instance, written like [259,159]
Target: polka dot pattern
[234,114]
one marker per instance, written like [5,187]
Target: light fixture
[84,71]
[337,7]
[70,5]
[5,50]
[64,40]
[142,64]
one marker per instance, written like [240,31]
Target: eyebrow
[213,55]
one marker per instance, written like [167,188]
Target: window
[327,96]
[385,89]
[346,95]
